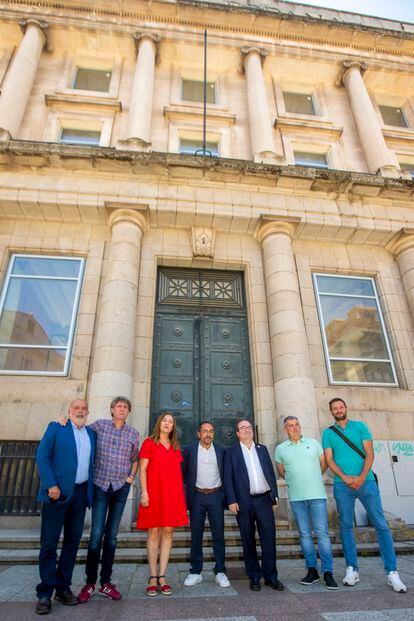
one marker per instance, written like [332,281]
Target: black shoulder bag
[353,446]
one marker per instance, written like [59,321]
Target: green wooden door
[201,366]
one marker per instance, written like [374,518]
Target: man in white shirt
[203,478]
[251,491]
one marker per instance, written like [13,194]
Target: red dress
[167,505]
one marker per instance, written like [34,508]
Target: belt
[260,495]
[81,484]
[208,490]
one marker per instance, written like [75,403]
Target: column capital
[350,64]
[41,24]
[253,49]
[154,37]
[404,240]
[127,215]
[274,227]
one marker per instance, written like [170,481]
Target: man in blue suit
[64,459]
[251,491]
[203,478]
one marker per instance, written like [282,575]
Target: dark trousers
[107,510]
[70,516]
[260,513]
[212,506]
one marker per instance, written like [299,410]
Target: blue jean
[211,505]
[70,516]
[107,510]
[370,498]
[313,514]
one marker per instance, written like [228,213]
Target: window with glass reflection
[356,345]
[38,309]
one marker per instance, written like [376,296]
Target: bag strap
[348,442]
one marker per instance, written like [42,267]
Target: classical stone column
[261,126]
[379,158]
[403,249]
[293,384]
[140,109]
[19,79]
[113,357]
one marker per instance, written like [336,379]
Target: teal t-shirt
[344,456]
[302,466]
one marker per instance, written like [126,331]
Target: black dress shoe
[255,585]
[275,584]
[66,597]
[43,606]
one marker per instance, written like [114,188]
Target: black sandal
[165,588]
[152,590]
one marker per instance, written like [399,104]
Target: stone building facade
[266,276]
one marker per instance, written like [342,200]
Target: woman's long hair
[155,435]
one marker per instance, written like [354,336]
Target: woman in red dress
[162,505]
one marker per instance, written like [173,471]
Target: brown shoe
[66,597]
[43,606]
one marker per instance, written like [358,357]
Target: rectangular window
[356,345]
[189,147]
[192,90]
[92,80]
[80,136]
[312,160]
[299,103]
[393,116]
[38,308]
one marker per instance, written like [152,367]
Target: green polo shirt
[302,466]
[344,456]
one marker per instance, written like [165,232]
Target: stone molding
[41,24]
[155,38]
[202,241]
[275,227]
[80,13]
[403,241]
[347,65]
[127,215]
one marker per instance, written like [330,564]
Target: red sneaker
[86,593]
[110,591]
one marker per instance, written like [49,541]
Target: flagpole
[205,95]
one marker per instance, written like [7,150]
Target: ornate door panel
[225,366]
[201,367]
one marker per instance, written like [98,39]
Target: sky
[393,9]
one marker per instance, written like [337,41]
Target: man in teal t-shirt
[301,462]
[354,479]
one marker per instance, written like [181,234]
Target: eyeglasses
[245,427]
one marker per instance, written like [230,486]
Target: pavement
[370,600]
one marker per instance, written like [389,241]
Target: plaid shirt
[116,450]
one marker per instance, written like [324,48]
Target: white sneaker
[351,576]
[395,583]
[222,580]
[193,579]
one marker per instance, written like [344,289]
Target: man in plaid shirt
[116,464]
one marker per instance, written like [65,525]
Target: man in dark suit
[251,491]
[203,478]
[64,459]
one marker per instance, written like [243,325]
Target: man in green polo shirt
[301,462]
[354,479]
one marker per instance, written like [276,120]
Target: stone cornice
[44,156]
[267,22]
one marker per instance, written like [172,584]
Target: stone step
[29,556]
[30,539]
